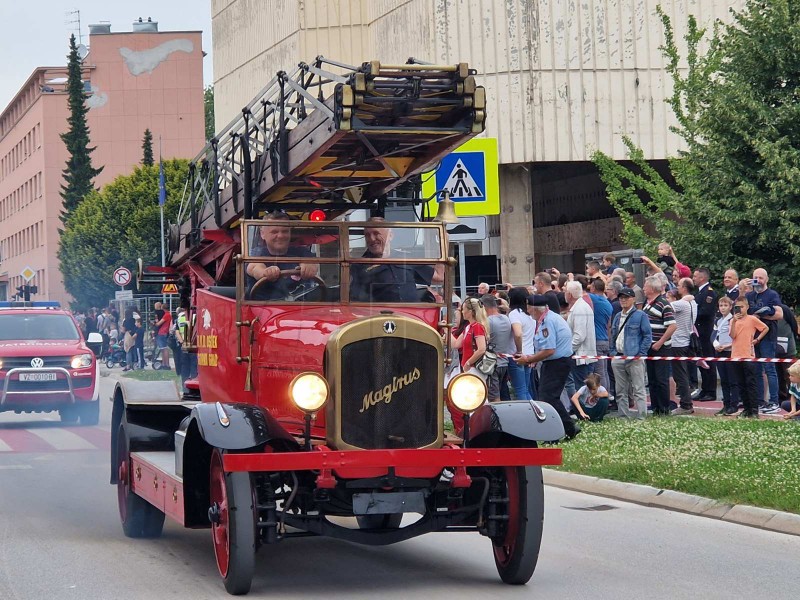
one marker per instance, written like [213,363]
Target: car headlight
[309,391]
[81,361]
[1,363]
[467,392]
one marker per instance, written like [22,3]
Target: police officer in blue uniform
[553,345]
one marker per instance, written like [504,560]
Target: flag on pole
[162,185]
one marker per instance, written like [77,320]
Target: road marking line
[5,447]
[15,467]
[99,437]
[22,440]
[61,439]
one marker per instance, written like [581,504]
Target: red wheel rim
[123,489]
[505,550]
[219,530]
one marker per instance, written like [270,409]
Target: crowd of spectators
[550,334]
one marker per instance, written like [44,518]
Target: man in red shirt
[162,325]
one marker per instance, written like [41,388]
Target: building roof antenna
[74,19]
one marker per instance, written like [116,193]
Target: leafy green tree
[115,227]
[737,202]
[79,173]
[147,149]
[208,103]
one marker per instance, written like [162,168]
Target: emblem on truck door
[389,327]
[37,363]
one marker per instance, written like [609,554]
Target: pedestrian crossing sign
[469,173]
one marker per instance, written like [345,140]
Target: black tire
[516,551]
[139,518]
[110,363]
[379,521]
[156,364]
[89,413]
[234,532]
[69,414]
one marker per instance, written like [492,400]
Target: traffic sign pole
[462,271]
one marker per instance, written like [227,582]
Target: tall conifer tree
[79,173]
[147,149]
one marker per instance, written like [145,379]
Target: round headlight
[467,392]
[81,361]
[309,391]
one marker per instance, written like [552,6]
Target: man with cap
[553,344]
[631,335]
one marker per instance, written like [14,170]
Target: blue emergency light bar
[36,304]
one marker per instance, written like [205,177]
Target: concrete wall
[145,81]
[563,78]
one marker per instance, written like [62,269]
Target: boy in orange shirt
[744,374]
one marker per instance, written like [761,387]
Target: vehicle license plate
[37,376]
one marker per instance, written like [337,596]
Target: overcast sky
[36,32]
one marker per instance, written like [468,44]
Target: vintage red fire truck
[319,403]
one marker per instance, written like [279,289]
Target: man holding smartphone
[765,304]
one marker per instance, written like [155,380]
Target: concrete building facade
[135,81]
[563,79]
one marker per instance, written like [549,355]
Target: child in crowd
[722,346]
[743,329]
[792,405]
[591,401]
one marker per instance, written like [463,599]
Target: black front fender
[514,422]
[248,427]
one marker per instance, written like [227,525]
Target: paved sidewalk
[762,518]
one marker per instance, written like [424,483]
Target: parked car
[46,364]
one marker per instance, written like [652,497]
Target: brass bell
[446,212]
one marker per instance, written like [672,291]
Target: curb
[741,514]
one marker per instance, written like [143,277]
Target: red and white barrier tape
[680,358]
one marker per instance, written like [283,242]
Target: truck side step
[153,478]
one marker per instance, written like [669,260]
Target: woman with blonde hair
[473,339]
[472,343]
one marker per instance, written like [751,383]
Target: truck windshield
[37,327]
[372,262]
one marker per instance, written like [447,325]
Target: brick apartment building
[135,80]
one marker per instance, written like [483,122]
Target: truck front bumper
[448,457]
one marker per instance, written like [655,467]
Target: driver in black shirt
[389,282]
[277,242]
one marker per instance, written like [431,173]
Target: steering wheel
[292,273]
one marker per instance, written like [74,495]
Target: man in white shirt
[584,342]
[685,311]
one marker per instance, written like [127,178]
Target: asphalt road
[60,539]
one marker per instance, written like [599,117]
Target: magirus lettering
[385,393]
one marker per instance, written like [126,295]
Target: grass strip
[151,375]
[737,461]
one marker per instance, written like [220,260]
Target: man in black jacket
[706,299]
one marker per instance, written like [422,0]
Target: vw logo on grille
[37,363]
[389,327]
